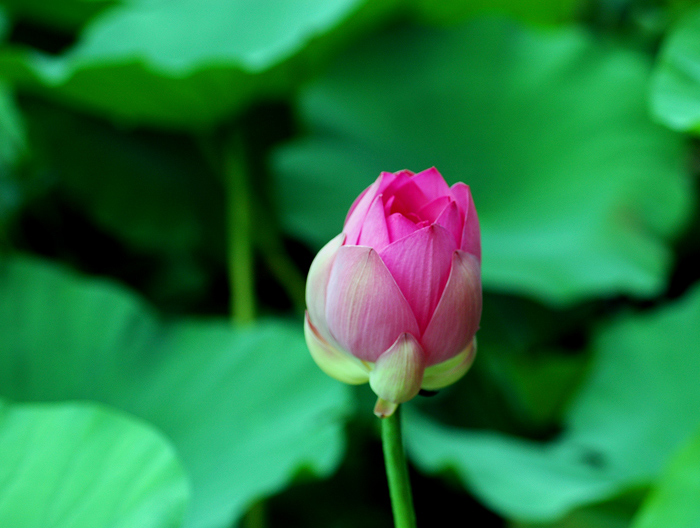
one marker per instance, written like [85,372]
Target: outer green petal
[398,373]
[317,283]
[336,363]
[446,373]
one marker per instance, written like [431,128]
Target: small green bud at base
[398,373]
[384,409]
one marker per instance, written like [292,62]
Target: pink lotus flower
[395,299]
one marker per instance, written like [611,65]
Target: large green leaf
[190,63]
[639,403]
[577,191]
[79,465]
[246,408]
[674,499]
[675,95]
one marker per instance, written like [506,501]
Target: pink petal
[317,283]
[451,220]
[462,194]
[388,204]
[388,178]
[408,198]
[374,231]
[457,316]
[432,183]
[471,235]
[399,226]
[432,210]
[358,211]
[420,263]
[365,309]
[400,178]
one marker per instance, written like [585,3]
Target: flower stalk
[397,472]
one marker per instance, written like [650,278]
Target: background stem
[397,472]
[239,210]
[240,248]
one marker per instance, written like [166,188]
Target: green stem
[240,249]
[397,472]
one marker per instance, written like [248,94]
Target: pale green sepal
[384,409]
[336,363]
[446,373]
[398,372]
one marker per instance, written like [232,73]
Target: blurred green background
[168,168]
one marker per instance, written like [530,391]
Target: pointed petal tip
[432,171]
[374,231]
[358,211]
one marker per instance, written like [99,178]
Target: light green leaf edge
[675,89]
[675,498]
[80,465]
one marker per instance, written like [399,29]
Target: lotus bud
[395,299]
